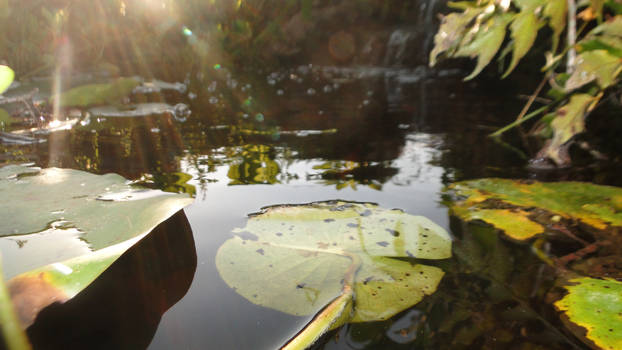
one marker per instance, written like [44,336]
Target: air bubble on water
[280,92]
[310,91]
[327,88]
[213,100]
[259,117]
[212,86]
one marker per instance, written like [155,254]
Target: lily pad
[596,306]
[63,227]
[298,258]
[508,204]
[97,94]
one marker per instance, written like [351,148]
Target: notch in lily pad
[344,259]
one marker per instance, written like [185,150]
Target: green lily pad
[96,94]
[298,258]
[63,227]
[508,204]
[6,78]
[596,306]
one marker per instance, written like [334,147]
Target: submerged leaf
[596,305]
[296,259]
[594,205]
[596,65]
[63,227]
[96,94]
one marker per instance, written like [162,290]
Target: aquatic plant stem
[14,336]
[331,314]
[519,121]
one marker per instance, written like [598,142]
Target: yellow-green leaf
[569,121]
[597,8]
[451,31]
[593,205]
[595,305]
[524,31]
[513,223]
[6,78]
[597,65]
[556,10]
[486,43]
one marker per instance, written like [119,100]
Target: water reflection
[123,307]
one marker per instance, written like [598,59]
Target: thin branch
[571,36]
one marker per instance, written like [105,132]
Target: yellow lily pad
[506,204]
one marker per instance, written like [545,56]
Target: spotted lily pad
[61,228]
[508,205]
[596,306]
[298,258]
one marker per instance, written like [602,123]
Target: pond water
[389,131]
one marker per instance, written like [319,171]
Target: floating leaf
[524,31]
[595,305]
[596,65]
[96,94]
[594,205]
[6,78]
[63,227]
[486,43]
[296,259]
[514,223]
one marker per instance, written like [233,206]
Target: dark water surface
[386,130]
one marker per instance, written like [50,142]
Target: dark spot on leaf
[279,234]
[232,263]
[366,213]
[329,220]
[334,244]
[247,236]
[352,225]
[382,244]
[322,245]
[254,295]
[270,265]
[379,287]
[421,272]
[351,238]
[300,285]
[410,254]
[407,274]
[260,251]
[367,280]
[424,236]
[394,233]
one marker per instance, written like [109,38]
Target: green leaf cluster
[578,81]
